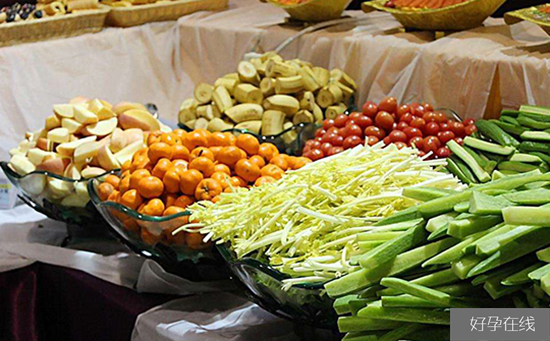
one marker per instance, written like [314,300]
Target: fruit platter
[539,15]
[312,10]
[445,15]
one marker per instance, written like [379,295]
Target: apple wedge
[101,110]
[37,155]
[107,159]
[140,119]
[79,100]
[67,149]
[21,164]
[71,125]
[72,171]
[44,144]
[59,188]
[125,106]
[81,188]
[101,128]
[59,135]
[128,152]
[34,184]
[55,165]
[52,122]
[64,110]
[84,116]
[134,135]
[92,172]
[86,151]
[118,140]
[75,200]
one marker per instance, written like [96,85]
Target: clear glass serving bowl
[61,199]
[150,237]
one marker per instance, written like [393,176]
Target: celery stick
[520,215]
[521,277]
[376,236]
[456,252]
[366,277]
[545,283]
[408,214]
[536,197]
[488,247]
[494,232]
[465,227]
[426,193]
[426,316]
[481,203]
[464,265]
[537,274]
[358,336]
[390,249]
[341,305]
[401,332]
[419,291]
[430,280]
[362,324]
[439,221]
[544,255]
[462,207]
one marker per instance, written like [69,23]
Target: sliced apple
[79,100]
[101,128]
[84,116]
[21,164]
[119,139]
[164,128]
[101,110]
[25,145]
[59,188]
[16,151]
[71,125]
[59,135]
[44,144]
[106,159]
[81,188]
[134,135]
[52,122]
[67,149]
[141,119]
[75,200]
[54,165]
[34,184]
[64,110]
[37,155]
[128,152]
[125,106]
[72,171]
[91,172]
[86,151]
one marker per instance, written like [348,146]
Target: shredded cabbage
[305,225]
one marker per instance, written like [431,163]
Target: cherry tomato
[421,153]
[332,130]
[418,123]
[446,136]
[337,140]
[441,117]
[402,110]
[388,104]
[459,140]
[384,120]
[402,126]
[306,149]
[407,118]
[328,123]
[342,132]
[320,132]
[443,152]
[469,122]
[400,145]
[431,144]
[319,138]
[316,145]
[429,117]
[340,120]
[418,110]
[350,122]
[335,150]
[417,142]
[352,141]
[325,147]
[393,127]
[469,130]
[316,154]
[432,129]
[375,131]
[355,115]
[428,107]
[444,126]
[354,129]
[413,132]
[372,140]
[327,137]
[398,136]
[370,109]
[363,121]
[458,129]
[309,143]
[387,140]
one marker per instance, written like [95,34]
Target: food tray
[314,10]
[463,16]
[63,26]
[166,10]
[528,14]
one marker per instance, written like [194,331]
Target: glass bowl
[302,304]
[150,237]
[61,199]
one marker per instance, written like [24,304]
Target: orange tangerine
[113,180]
[131,199]
[162,166]
[220,167]
[248,143]
[216,150]
[126,166]
[138,175]
[180,152]
[189,180]
[257,160]
[171,180]
[195,139]
[183,201]
[241,181]
[280,161]
[180,164]
[223,178]
[264,180]
[172,210]
[268,151]
[150,187]
[153,137]
[272,171]
[170,139]
[194,241]
[208,189]
[154,207]
[179,133]
[219,139]
[169,198]
[124,184]
[247,170]
[232,138]
[148,238]
[201,151]
[114,196]
[204,165]
[230,155]
[158,151]
[104,190]
[300,162]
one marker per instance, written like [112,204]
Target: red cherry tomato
[372,140]
[402,126]
[398,136]
[432,129]
[446,136]
[332,130]
[443,152]
[309,143]
[469,130]
[342,132]
[413,132]
[384,120]
[355,115]
[429,117]
[444,126]
[335,150]
[370,109]
[388,104]
[418,123]
[407,118]
[327,137]
[441,117]
[340,120]
[352,141]
[459,140]
[354,129]
[431,144]
[316,145]
[320,132]
[328,123]
[402,110]
[421,153]
[337,140]
[349,122]
[375,131]
[417,142]
[306,149]
[325,147]
[428,107]
[316,154]
[363,121]
[387,140]
[418,111]
[458,129]
[469,122]
[319,138]
[400,145]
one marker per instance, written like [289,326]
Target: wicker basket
[525,14]
[314,10]
[63,26]
[141,14]
[463,16]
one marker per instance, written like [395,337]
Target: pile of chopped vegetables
[313,222]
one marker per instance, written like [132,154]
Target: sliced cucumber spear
[521,277]
[479,172]
[521,215]
[431,280]
[362,324]
[488,146]
[495,133]
[425,316]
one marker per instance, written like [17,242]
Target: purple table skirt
[44,302]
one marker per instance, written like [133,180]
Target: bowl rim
[379,5]
[291,6]
[8,170]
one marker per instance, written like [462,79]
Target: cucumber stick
[463,207]
[481,203]
[358,336]
[509,113]
[529,146]
[516,166]
[490,246]
[419,291]
[529,158]
[497,290]
[361,324]
[453,167]
[401,332]
[529,122]
[544,255]
[341,305]
[469,176]
[537,197]
[545,284]
[439,221]
[494,232]
[541,136]
[465,227]
[460,152]
[537,274]
[462,267]
[408,301]
[495,133]
[430,280]
[408,214]
[489,147]
[510,128]
[412,315]
[521,277]
[378,236]
[426,193]
[521,215]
